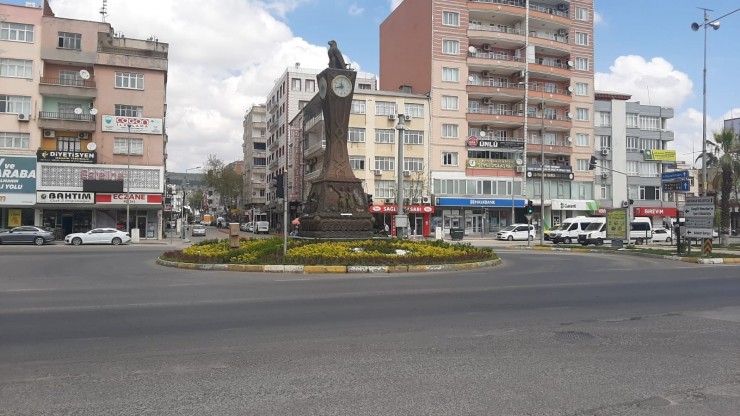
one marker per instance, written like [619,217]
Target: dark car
[26,234]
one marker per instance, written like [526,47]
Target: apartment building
[89,105]
[255,158]
[372,146]
[631,148]
[511,87]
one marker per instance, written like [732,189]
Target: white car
[516,232]
[662,235]
[98,236]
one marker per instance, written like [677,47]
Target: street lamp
[128,181]
[401,218]
[714,24]
[182,208]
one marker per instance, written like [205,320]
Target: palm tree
[725,157]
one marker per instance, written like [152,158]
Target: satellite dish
[93,111]
[84,74]
[570,63]
[471,78]
[570,115]
[482,133]
[519,162]
[92,146]
[570,89]
[472,49]
[78,111]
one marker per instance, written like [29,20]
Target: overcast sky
[225,55]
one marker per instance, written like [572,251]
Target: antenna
[104,11]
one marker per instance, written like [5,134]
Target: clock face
[322,87]
[341,86]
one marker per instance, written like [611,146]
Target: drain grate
[573,336]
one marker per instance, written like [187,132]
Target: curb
[696,260]
[280,268]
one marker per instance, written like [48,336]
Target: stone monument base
[336,209]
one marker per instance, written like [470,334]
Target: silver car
[26,234]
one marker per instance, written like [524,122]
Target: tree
[195,198]
[725,158]
[224,180]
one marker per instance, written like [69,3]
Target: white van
[595,233]
[262,227]
[569,229]
[641,230]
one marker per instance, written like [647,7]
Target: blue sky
[226,54]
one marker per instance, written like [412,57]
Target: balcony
[68,87]
[133,57]
[67,121]
[559,146]
[514,92]
[315,149]
[541,11]
[312,176]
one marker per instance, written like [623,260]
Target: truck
[207,219]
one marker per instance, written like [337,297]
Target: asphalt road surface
[105,331]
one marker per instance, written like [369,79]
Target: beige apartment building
[88,107]
[255,160]
[511,90]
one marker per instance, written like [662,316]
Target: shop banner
[654,212]
[392,209]
[71,197]
[66,157]
[137,125]
[133,199]
[574,205]
[17,174]
[14,218]
[479,202]
[659,155]
[491,163]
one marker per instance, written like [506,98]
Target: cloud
[355,10]
[598,19]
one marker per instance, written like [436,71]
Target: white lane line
[291,280]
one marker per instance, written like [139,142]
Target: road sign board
[681,186]
[528,217]
[699,233]
[672,176]
[700,200]
[699,222]
[704,211]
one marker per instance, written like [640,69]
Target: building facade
[255,160]
[511,92]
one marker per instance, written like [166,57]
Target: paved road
[104,330]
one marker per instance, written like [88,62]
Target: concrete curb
[279,268]
[696,260]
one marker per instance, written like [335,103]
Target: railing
[498,56]
[555,64]
[68,82]
[491,82]
[520,3]
[556,142]
[65,116]
[519,32]
[146,53]
[315,147]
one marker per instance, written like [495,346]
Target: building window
[15,104]
[449,159]
[649,170]
[259,147]
[301,104]
[450,74]
[603,119]
[582,139]
[582,64]
[450,131]
[259,161]
[129,80]
[295,84]
[121,146]
[385,189]
[605,192]
[414,110]
[124,110]
[310,85]
[632,168]
[385,108]
[582,114]
[363,86]
[581,38]
[15,140]
[357,162]
[451,47]
[633,144]
[18,32]
[649,193]
[582,165]
[581,88]
[450,102]
[68,144]
[413,137]
[551,87]
[451,19]
[385,163]
[605,142]
[356,135]
[649,144]
[385,136]
[68,40]
[358,107]
[16,68]
[413,164]
[632,122]
[582,13]
[649,123]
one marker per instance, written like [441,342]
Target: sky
[225,56]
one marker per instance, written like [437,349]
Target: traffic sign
[681,186]
[699,222]
[700,200]
[704,211]
[672,176]
[699,233]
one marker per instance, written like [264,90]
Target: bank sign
[17,175]
[139,125]
[65,197]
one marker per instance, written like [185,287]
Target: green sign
[491,163]
[615,224]
[659,155]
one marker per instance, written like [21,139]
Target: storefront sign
[138,125]
[654,212]
[491,163]
[134,199]
[392,209]
[66,157]
[65,197]
[17,174]
[495,144]
[14,218]
[479,202]
[659,155]
[17,199]
[574,205]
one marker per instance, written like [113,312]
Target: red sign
[472,141]
[654,212]
[133,198]
[393,209]
[600,212]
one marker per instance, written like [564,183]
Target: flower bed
[330,253]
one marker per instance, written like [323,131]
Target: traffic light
[369,200]
[592,163]
[530,207]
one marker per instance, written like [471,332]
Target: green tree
[725,159]
[224,180]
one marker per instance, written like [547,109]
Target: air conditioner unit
[485,74]
[487,100]
[520,107]
[388,200]
[605,152]
[407,173]
[426,200]
[49,133]
[484,127]
[625,204]
[407,118]
[23,117]
[378,172]
[416,200]
[604,175]
[83,136]
[562,32]
[486,47]
[520,74]
[391,116]
[520,169]
[561,159]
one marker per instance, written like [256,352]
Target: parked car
[198,231]
[98,236]
[262,227]
[245,226]
[516,232]
[27,234]
[662,235]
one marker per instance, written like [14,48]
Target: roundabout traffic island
[330,256]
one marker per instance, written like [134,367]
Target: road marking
[291,280]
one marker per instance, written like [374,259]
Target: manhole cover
[573,336]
